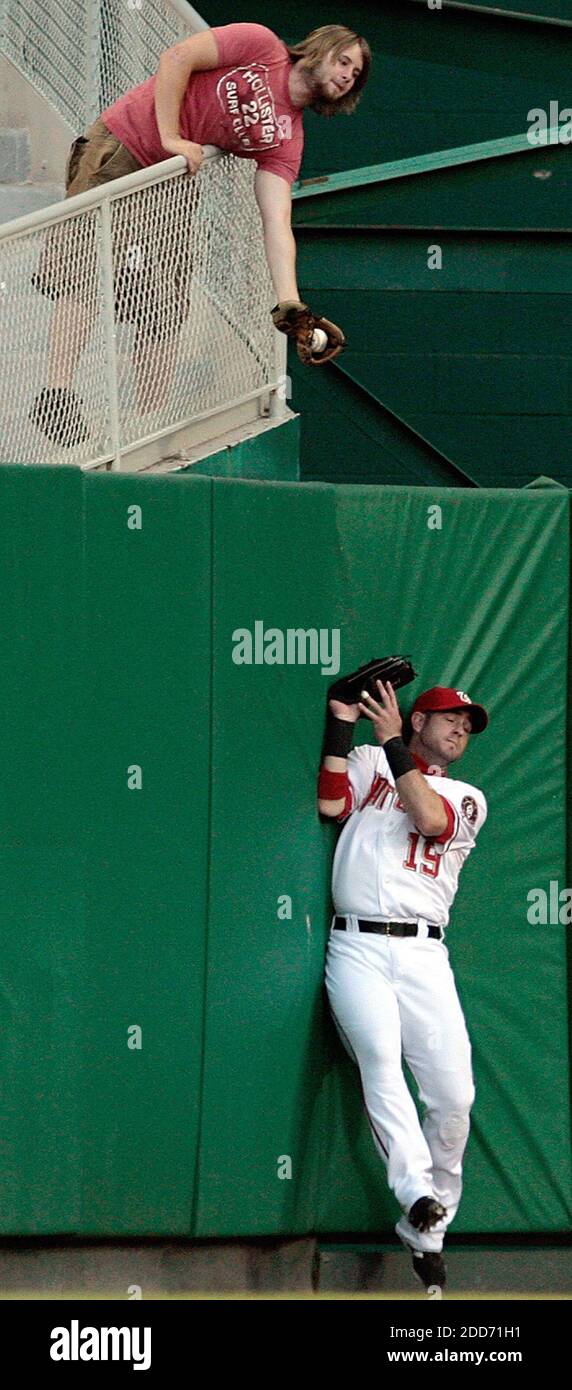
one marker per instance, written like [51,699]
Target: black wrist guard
[338,736]
[398,756]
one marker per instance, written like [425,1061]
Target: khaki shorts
[95,158]
[151,275]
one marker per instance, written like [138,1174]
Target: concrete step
[17,199]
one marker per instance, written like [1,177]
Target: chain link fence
[84,54]
[131,310]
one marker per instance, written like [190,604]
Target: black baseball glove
[397,669]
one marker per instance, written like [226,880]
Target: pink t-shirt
[243,105]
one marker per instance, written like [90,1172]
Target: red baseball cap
[442,697]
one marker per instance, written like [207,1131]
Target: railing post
[279,396]
[109,330]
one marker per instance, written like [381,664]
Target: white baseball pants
[392,997]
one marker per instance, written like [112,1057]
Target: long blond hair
[332,38]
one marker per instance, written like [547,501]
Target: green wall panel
[263,1043]
[473,358]
[41,857]
[528,191]
[348,437]
[42,983]
[274,452]
[106,658]
[140,1111]
[41,629]
[448,383]
[148,619]
[489,268]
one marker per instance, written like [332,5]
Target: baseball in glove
[298,322]
[397,669]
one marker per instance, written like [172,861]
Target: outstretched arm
[339,735]
[274,198]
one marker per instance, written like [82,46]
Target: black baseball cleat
[430,1268]
[425,1213]
[57,413]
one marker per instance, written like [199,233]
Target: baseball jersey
[383,866]
[243,105]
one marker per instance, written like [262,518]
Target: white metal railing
[149,299]
[84,54]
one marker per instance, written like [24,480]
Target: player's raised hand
[351,713]
[384,713]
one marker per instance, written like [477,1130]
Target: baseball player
[237,86]
[408,828]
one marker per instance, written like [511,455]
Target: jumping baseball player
[408,828]
[237,86]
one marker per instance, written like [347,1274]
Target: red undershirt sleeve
[451,825]
[348,804]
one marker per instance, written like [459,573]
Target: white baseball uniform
[396,996]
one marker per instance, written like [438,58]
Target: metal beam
[419,438]
[498,13]
[421,164]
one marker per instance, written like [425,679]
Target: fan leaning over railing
[241,88]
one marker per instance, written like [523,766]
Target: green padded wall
[160,907]
[273,452]
[41,862]
[105,641]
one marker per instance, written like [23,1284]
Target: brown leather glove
[298,322]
